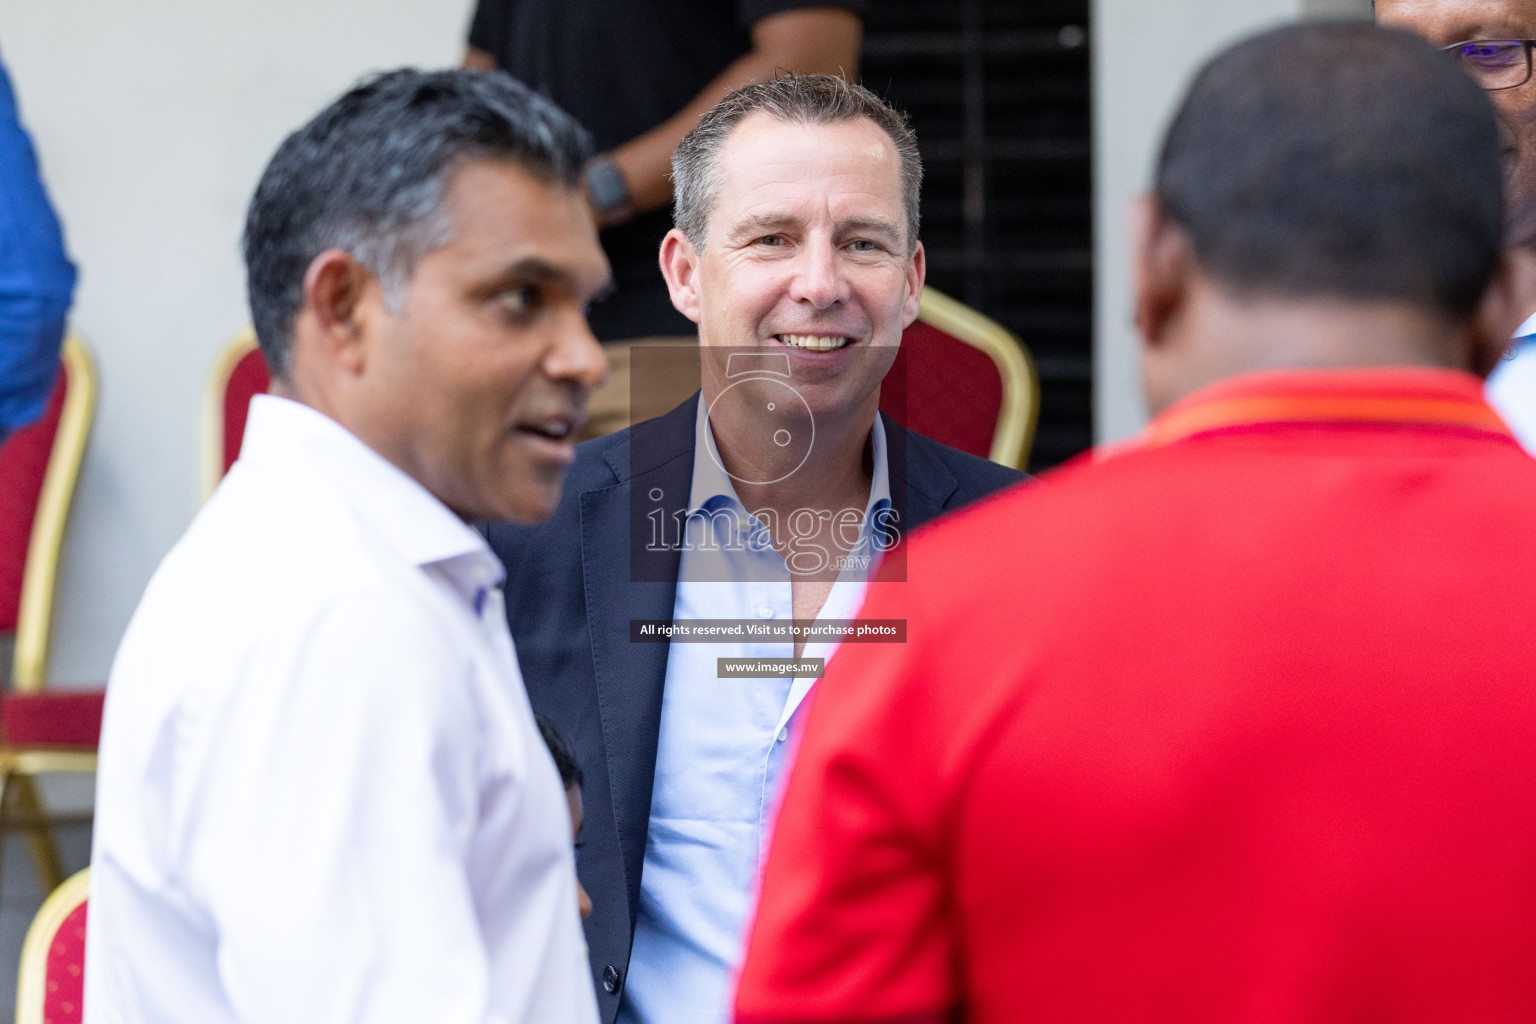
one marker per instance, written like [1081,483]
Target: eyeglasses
[1495,63]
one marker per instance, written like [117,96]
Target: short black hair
[560,750]
[1338,159]
[367,175]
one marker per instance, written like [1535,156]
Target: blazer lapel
[921,485]
[629,572]
[622,584]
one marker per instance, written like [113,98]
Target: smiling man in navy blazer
[757,507]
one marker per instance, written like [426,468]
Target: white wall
[153,121]
[1144,53]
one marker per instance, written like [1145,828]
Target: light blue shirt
[36,278]
[1512,386]
[722,753]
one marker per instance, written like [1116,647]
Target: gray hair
[368,175]
[802,99]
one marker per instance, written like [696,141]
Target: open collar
[711,483]
[401,512]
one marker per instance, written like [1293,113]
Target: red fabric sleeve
[853,923]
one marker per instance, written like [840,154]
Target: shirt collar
[1527,330]
[1405,395]
[711,483]
[425,532]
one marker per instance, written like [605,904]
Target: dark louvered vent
[998,93]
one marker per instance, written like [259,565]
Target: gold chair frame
[32,978]
[1015,433]
[34,619]
[235,350]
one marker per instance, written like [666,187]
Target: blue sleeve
[36,277]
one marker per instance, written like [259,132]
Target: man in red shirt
[1236,722]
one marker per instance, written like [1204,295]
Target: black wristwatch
[606,190]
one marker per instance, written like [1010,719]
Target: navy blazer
[571,594]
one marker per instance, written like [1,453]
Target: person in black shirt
[638,74]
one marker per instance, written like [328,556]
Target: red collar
[1409,396]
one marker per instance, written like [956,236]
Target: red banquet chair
[42,731]
[50,985]
[238,375]
[966,381]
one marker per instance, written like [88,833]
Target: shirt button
[611,977]
[784,734]
[766,611]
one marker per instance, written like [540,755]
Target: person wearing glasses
[1492,40]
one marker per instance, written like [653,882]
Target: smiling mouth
[557,428]
[815,342]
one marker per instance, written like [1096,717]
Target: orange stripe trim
[1220,413]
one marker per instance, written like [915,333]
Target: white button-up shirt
[722,753]
[322,796]
[1512,385]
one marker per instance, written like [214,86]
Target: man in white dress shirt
[1493,40]
[322,794]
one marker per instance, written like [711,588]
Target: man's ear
[1164,269]
[680,267]
[1506,303]
[334,287]
[917,273]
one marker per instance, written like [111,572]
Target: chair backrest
[239,375]
[40,465]
[966,381]
[50,985]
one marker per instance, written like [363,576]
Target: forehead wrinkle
[766,158]
[1502,29]
[818,176]
[791,168]
[868,203]
[1454,23]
